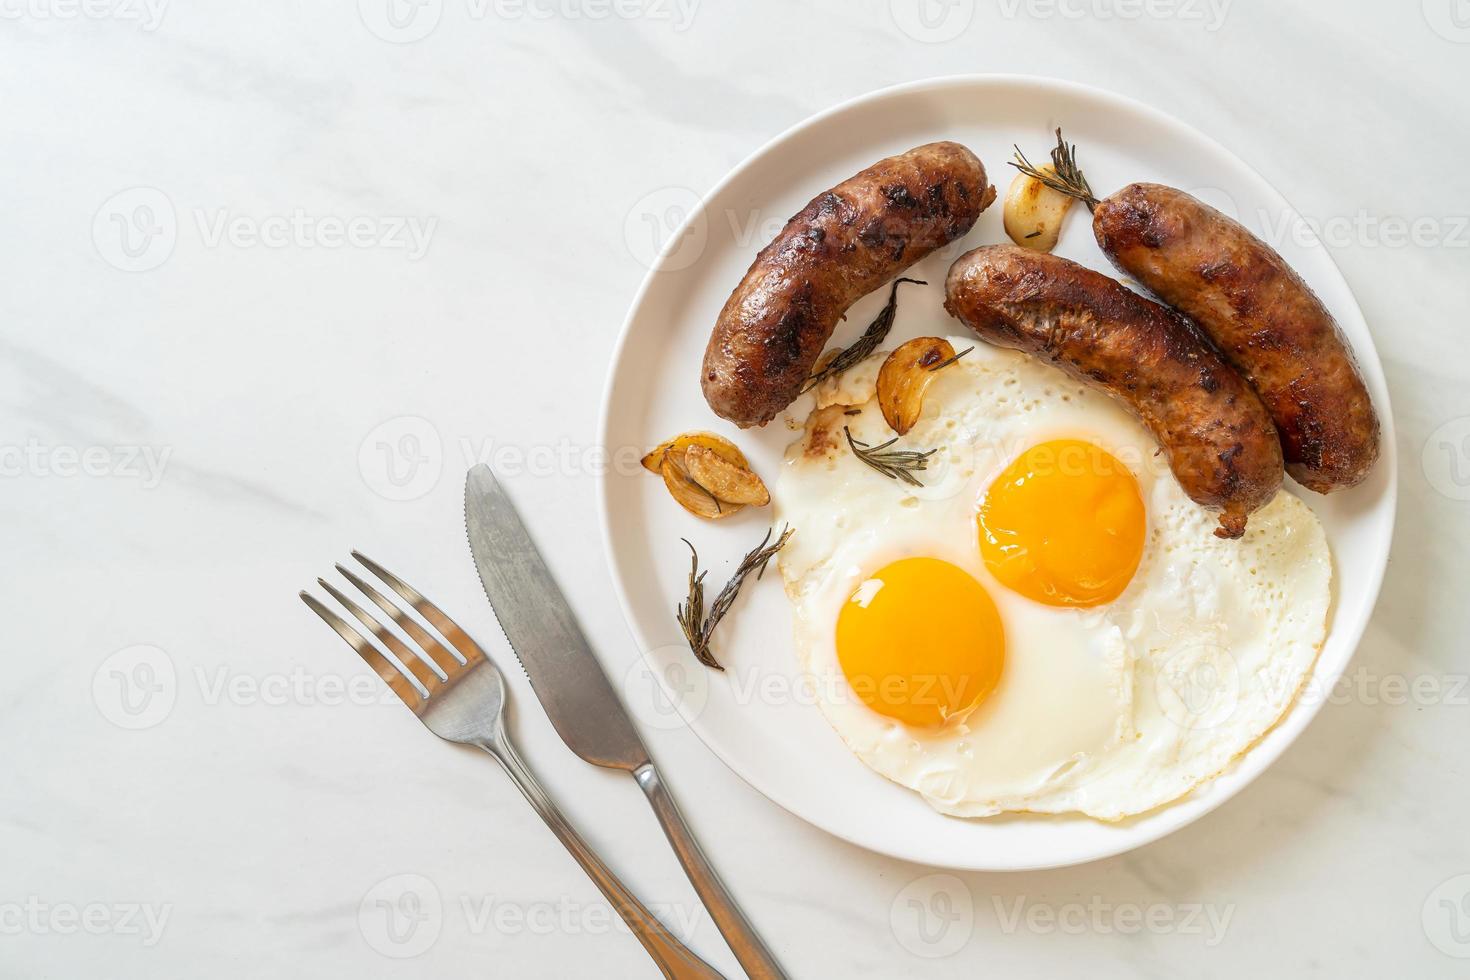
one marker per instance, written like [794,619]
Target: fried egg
[1047,623]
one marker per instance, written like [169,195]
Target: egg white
[1107,711]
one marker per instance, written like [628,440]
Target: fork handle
[674,958]
[747,946]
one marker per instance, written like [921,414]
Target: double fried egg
[1047,623]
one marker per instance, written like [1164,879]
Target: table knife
[571,685]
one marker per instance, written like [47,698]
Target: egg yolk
[1063,525]
[921,642]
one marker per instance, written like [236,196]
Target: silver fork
[459,695]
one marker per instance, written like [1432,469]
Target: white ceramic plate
[757,717]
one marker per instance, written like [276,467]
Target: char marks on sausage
[1215,433]
[845,243]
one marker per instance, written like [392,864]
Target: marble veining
[200,782]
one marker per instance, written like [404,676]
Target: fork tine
[421,671]
[446,661]
[380,664]
[457,637]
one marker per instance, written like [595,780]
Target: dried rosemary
[1068,178]
[875,334]
[896,464]
[699,625]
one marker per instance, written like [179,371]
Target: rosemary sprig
[896,464]
[867,343]
[699,625]
[1068,179]
[946,363]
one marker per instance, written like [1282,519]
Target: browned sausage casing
[1261,315]
[843,245]
[1215,432]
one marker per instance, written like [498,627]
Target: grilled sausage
[843,245]
[1262,316]
[1215,432]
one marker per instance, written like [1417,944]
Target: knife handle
[747,946]
[674,958]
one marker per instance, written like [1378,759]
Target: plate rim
[1300,714]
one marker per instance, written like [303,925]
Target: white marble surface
[181,452]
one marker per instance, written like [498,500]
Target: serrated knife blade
[543,631]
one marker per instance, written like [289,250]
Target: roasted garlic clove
[729,482]
[689,493]
[1034,212]
[707,474]
[904,378]
[653,462]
